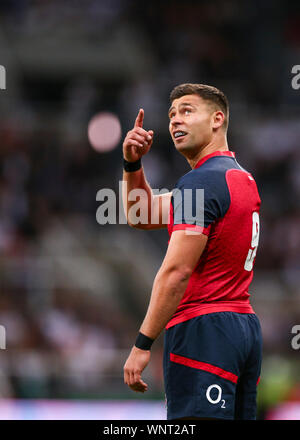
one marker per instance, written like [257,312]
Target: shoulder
[211,175]
[211,179]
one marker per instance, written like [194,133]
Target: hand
[133,368]
[137,141]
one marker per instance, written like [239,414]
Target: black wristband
[143,342]
[132,166]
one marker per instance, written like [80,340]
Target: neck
[207,149]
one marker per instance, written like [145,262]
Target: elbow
[183,274]
[179,274]
[132,225]
[140,226]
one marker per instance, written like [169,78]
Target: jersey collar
[215,153]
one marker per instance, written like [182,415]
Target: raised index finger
[139,119]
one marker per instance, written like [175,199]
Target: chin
[185,148]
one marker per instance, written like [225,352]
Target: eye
[187,111]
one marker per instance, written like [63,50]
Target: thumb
[139,119]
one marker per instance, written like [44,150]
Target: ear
[218,119]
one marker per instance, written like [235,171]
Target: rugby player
[200,295]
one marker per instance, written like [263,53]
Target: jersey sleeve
[200,198]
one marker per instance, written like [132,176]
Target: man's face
[191,123]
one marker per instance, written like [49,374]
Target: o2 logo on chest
[214,395]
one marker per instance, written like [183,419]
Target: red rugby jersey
[230,218]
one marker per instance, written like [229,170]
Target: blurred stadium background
[73,292]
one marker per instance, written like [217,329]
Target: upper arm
[157,210]
[161,209]
[158,213]
[184,251]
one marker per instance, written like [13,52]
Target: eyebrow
[180,105]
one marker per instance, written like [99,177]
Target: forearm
[168,289]
[136,180]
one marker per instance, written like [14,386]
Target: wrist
[132,166]
[143,342]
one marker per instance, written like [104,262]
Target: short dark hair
[206,92]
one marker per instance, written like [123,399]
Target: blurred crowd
[66,61]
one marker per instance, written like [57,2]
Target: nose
[176,120]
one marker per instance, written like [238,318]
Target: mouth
[179,134]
